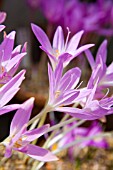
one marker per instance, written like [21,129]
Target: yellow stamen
[57,93]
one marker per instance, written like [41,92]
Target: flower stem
[45,110]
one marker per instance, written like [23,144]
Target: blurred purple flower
[34,4]
[79,132]
[60,50]
[100,69]
[10,59]
[8,91]
[19,138]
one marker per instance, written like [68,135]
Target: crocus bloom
[2,19]
[92,108]
[60,50]
[61,88]
[82,132]
[19,138]
[99,68]
[8,91]
[10,59]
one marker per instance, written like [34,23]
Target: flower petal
[40,154]
[41,36]
[21,116]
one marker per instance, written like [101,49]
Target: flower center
[18,143]
[57,53]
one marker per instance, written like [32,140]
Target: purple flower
[91,108]
[79,132]
[61,88]
[99,68]
[60,50]
[10,58]
[8,91]
[19,138]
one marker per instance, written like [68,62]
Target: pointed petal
[82,49]
[9,108]
[21,116]
[73,43]
[70,79]
[102,51]
[14,61]
[90,58]
[36,133]
[41,36]
[7,45]
[11,86]
[40,154]
[58,40]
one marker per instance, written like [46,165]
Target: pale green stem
[60,124]
[45,110]
[58,137]
[54,132]
[42,120]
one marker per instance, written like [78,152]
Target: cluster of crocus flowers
[78,15]
[65,93]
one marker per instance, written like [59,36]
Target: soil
[88,158]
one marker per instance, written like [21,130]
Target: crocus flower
[10,59]
[82,132]
[99,68]
[8,91]
[91,108]
[61,88]
[2,19]
[60,50]
[19,138]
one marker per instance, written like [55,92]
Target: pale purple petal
[36,133]
[73,43]
[21,116]
[15,60]
[90,58]
[70,79]
[58,40]
[102,51]
[40,154]
[7,45]
[82,49]
[12,85]
[58,73]
[41,36]
[9,108]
